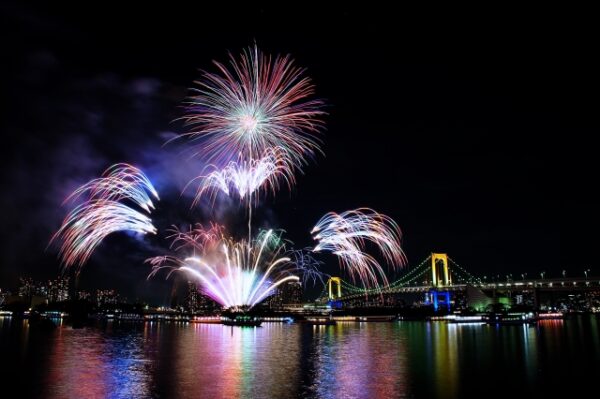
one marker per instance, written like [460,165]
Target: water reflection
[445,341]
[358,361]
[219,361]
[89,363]
[349,360]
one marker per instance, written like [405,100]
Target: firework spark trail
[101,214]
[346,234]
[88,224]
[247,177]
[120,181]
[257,104]
[308,267]
[234,274]
[196,238]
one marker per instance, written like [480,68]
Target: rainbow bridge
[438,278]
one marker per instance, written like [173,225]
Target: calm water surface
[351,360]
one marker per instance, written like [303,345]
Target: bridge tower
[335,295]
[338,282]
[440,278]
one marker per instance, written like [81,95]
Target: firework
[87,225]
[346,235]
[308,267]
[101,214]
[237,275]
[247,178]
[196,238]
[257,104]
[255,124]
[120,181]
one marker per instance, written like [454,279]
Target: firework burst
[234,274]
[247,178]
[346,234]
[256,104]
[120,181]
[101,214]
[308,267]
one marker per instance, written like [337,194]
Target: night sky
[449,125]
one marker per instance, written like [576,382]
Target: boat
[467,319]
[507,319]
[318,321]
[241,320]
[550,316]
[376,318]
[206,319]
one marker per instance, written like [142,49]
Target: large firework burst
[258,103]
[234,274]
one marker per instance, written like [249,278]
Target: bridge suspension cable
[470,279]
[412,274]
[408,278]
[412,277]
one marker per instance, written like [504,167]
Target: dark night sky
[450,126]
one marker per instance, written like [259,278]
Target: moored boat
[510,318]
[206,319]
[318,321]
[241,320]
[550,316]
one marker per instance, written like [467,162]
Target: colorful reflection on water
[349,360]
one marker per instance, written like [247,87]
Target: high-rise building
[26,287]
[293,293]
[63,289]
[196,301]
[53,291]
[287,294]
[29,288]
[192,301]
[58,289]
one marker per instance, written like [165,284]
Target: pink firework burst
[257,103]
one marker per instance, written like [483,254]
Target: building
[288,294]
[3,295]
[58,290]
[106,297]
[26,287]
[519,299]
[293,293]
[29,288]
[196,301]
[84,295]
[193,297]
[53,291]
